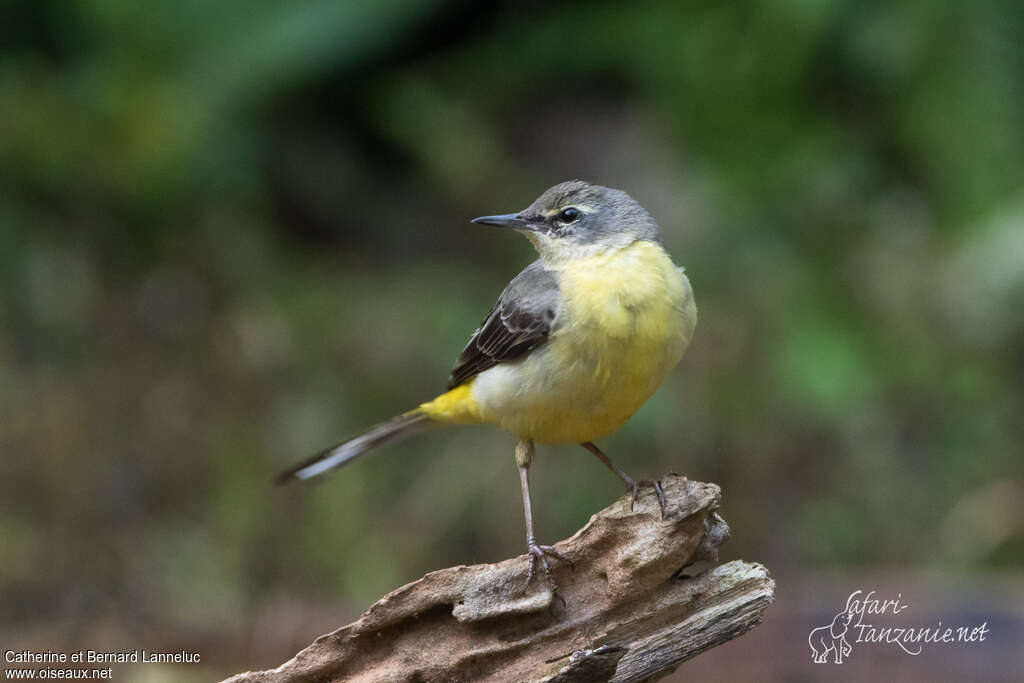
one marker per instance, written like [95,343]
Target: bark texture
[632,611]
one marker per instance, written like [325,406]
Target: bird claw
[634,488]
[540,553]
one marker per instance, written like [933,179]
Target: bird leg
[632,486]
[538,553]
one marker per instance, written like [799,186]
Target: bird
[574,345]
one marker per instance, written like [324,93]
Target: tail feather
[395,429]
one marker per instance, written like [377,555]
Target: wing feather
[519,322]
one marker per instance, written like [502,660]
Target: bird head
[576,219]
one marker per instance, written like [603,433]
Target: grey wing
[518,323]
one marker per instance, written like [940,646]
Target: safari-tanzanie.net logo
[863,620]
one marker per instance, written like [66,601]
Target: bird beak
[508,220]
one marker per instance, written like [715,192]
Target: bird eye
[569,215]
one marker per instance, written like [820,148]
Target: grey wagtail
[576,343]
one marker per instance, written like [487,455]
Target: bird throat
[557,252]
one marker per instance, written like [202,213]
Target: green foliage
[232,233]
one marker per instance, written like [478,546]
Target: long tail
[395,429]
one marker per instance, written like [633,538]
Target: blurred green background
[233,233]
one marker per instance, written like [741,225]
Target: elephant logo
[832,638]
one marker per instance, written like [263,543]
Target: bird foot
[539,554]
[633,487]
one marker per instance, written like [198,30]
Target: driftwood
[631,612]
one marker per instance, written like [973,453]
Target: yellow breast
[627,317]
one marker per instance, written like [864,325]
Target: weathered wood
[630,612]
